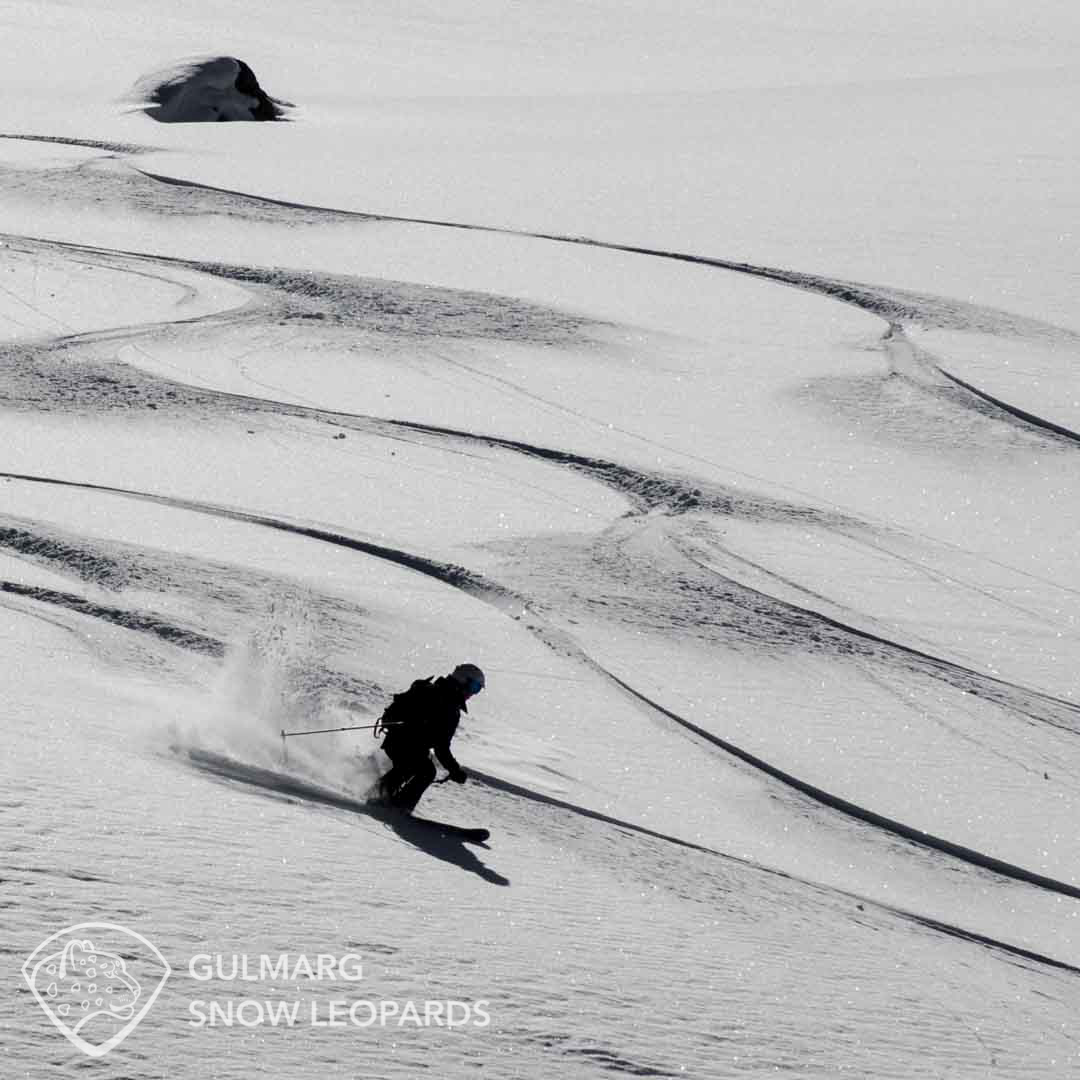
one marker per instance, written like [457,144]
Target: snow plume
[206,89]
[274,679]
[266,682]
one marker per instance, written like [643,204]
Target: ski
[477,836]
[388,812]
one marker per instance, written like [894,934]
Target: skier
[424,718]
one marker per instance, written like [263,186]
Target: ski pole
[323,731]
[318,731]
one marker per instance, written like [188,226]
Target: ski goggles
[473,686]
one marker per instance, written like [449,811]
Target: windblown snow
[709,381]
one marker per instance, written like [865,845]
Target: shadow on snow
[431,837]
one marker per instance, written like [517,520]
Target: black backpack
[408,710]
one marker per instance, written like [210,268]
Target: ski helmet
[470,677]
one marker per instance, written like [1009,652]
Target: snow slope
[710,381]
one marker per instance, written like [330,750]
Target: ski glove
[459,777]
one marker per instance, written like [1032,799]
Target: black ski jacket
[425,718]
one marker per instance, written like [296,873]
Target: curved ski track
[492,593]
[646,491]
[285,783]
[125,617]
[893,305]
[90,144]
[896,307]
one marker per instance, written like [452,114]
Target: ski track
[649,493]
[287,784]
[373,305]
[405,312]
[130,620]
[225,598]
[91,144]
[672,496]
[95,386]
[896,307]
[400,311]
[1057,712]
[492,593]
[1012,410]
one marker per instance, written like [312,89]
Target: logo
[96,982]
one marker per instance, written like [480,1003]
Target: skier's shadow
[442,845]
[427,836]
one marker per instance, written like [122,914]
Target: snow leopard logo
[88,990]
